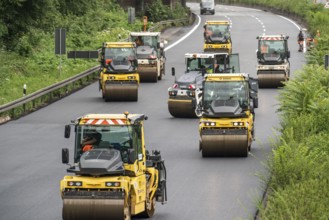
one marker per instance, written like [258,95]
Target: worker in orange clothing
[90,141]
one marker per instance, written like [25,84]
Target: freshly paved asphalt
[198,188]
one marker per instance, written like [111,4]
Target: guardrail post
[326,61]
[24,90]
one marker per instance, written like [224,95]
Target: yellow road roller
[273,60]
[150,55]
[119,79]
[226,110]
[182,92]
[113,175]
[217,37]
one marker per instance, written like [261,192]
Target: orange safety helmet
[87,147]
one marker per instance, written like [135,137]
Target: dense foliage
[27,38]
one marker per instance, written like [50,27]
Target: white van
[207,6]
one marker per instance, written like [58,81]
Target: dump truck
[226,110]
[217,37]
[150,55]
[119,79]
[115,177]
[273,55]
[182,92]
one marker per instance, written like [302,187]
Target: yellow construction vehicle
[217,37]
[115,176]
[273,60]
[119,79]
[182,92]
[150,55]
[226,110]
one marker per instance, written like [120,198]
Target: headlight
[74,183]
[110,184]
[238,123]
[210,123]
[131,77]
[172,93]
[111,77]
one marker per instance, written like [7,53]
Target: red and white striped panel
[271,38]
[105,122]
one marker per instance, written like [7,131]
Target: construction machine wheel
[271,80]
[224,145]
[181,108]
[162,72]
[149,208]
[126,211]
[94,209]
[121,92]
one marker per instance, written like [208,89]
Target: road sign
[60,41]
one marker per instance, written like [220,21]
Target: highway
[198,188]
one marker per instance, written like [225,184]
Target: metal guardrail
[167,22]
[48,90]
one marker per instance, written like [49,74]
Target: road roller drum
[121,92]
[181,108]
[271,79]
[94,209]
[147,74]
[222,145]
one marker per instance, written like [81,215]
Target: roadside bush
[301,200]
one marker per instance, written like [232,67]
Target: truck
[217,37]
[150,55]
[118,77]
[273,66]
[115,177]
[182,92]
[226,110]
[207,6]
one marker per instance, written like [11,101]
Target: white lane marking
[229,20]
[188,34]
[261,23]
[298,27]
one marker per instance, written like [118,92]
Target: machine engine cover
[193,77]
[143,52]
[225,108]
[272,58]
[100,162]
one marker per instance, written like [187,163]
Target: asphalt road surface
[198,188]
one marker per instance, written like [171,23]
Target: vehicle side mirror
[255,101]
[132,155]
[65,155]
[288,54]
[258,54]
[173,71]
[67,131]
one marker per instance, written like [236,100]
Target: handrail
[161,23]
[49,89]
